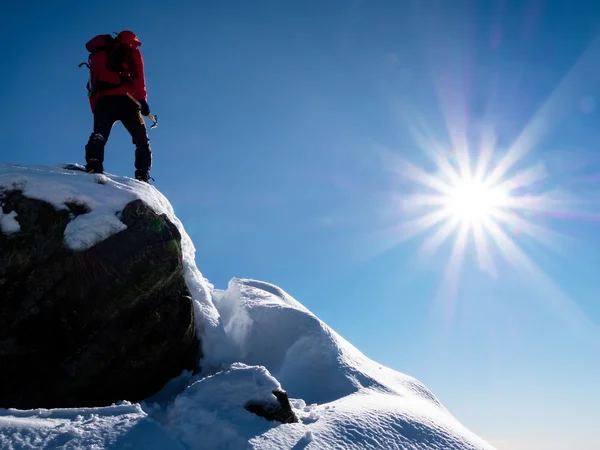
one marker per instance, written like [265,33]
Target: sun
[480,188]
[478,201]
[481,206]
[473,203]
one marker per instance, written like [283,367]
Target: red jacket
[133,69]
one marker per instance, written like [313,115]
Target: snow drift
[256,338]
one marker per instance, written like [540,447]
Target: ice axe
[154,119]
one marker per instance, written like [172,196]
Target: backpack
[106,63]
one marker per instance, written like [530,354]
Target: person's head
[129,38]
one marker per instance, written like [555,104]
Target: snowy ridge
[255,337]
[268,327]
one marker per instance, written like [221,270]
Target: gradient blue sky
[279,124]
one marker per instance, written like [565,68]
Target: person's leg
[104,119]
[134,123]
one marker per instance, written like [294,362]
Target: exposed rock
[280,411]
[89,328]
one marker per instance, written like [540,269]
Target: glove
[144,108]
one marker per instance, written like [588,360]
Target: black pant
[108,110]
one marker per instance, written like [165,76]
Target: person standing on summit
[117,91]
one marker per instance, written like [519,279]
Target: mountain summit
[103,305]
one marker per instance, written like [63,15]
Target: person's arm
[138,78]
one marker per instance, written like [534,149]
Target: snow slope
[256,338]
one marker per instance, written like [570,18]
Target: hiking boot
[94,166]
[142,175]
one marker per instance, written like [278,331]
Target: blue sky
[281,124]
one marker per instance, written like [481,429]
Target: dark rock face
[280,411]
[89,328]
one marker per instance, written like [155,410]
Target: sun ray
[422,223]
[432,182]
[434,241]
[446,170]
[417,200]
[539,233]
[412,172]
[485,155]
[524,178]
[453,107]
[484,258]
[563,306]
[533,203]
[550,114]
[427,142]
[437,153]
[449,286]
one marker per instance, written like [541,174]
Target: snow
[256,338]
[86,230]
[8,222]
[210,413]
[119,426]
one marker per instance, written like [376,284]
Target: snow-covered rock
[91,312]
[256,339]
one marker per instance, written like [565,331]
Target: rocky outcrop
[278,412]
[92,327]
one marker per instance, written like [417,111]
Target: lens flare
[476,205]
[486,206]
[476,192]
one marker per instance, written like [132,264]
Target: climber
[117,91]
